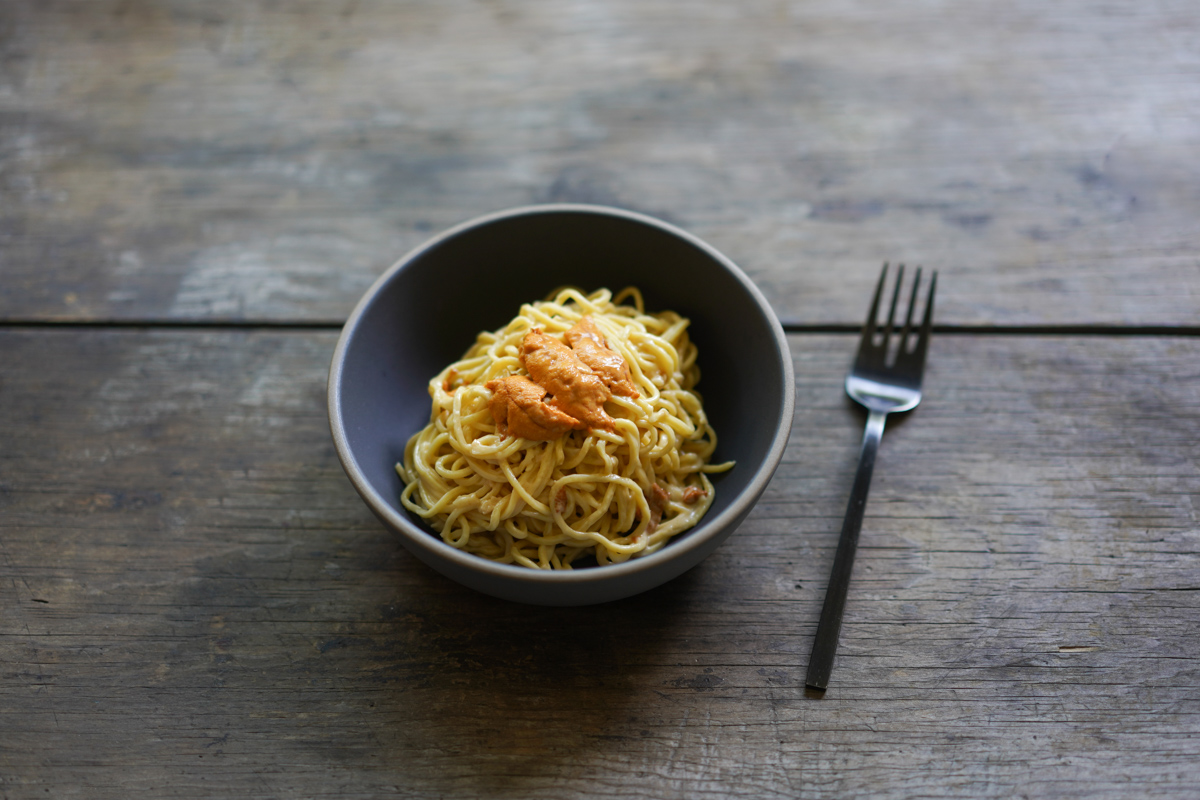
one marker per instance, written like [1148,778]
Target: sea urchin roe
[590,347]
[566,389]
[519,408]
[574,389]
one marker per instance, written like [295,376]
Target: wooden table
[194,602]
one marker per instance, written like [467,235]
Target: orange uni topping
[566,389]
[573,387]
[519,409]
[589,345]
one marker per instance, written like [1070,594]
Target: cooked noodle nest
[546,504]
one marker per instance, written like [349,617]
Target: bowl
[426,310]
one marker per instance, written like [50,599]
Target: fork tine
[926,324]
[868,333]
[912,302]
[887,331]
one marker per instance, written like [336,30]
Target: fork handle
[820,664]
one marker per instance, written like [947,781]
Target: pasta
[624,464]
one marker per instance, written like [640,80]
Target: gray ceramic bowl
[425,311]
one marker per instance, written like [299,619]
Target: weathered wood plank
[194,603]
[256,160]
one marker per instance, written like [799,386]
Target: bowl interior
[426,311]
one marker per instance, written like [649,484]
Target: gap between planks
[791,328]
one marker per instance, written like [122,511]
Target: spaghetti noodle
[616,480]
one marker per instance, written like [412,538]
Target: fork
[885,378]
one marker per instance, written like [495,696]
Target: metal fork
[885,378]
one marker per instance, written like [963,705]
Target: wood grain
[194,603]
[167,160]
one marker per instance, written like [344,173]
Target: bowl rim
[431,544]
